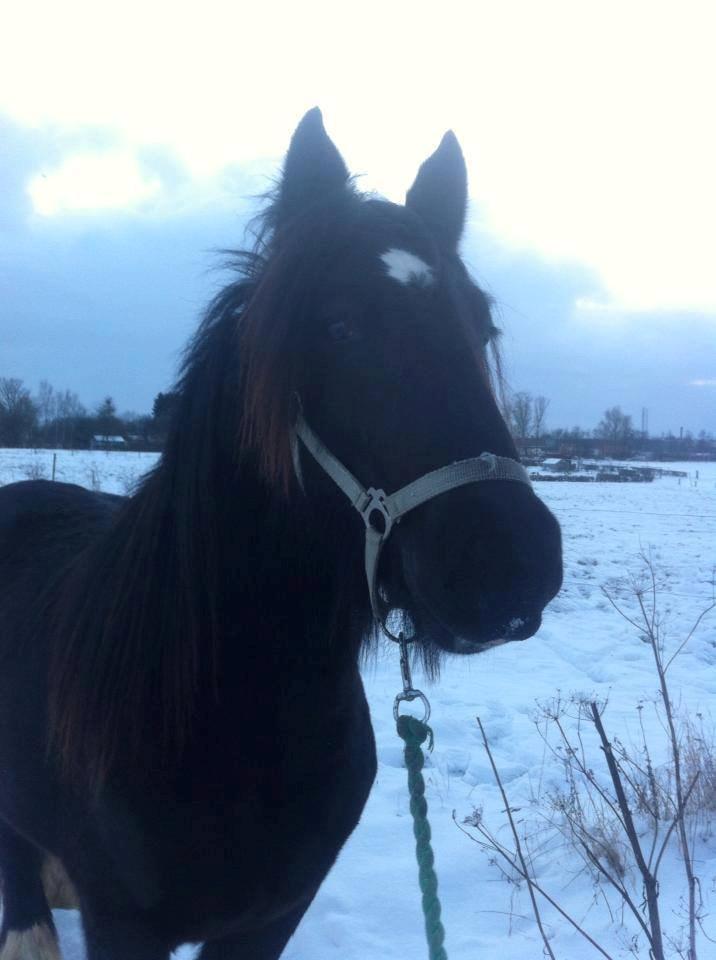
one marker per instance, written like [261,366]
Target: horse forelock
[273,332]
[268,381]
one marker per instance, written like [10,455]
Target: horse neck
[268,570]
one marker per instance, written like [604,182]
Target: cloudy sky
[133,138]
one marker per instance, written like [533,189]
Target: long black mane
[142,614]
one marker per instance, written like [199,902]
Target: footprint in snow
[480,771]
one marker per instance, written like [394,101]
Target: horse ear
[312,169]
[439,194]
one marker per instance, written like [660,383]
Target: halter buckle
[374,509]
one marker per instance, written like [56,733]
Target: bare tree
[12,391]
[69,405]
[18,414]
[522,418]
[539,410]
[615,425]
[69,412]
[46,403]
[616,428]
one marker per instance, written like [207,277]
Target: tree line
[57,418]
[614,436]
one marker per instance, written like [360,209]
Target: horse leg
[118,935]
[27,931]
[265,944]
[59,889]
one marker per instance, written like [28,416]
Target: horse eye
[342,331]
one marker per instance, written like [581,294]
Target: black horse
[179,669]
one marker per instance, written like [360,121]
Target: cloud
[583,126]
[103,299]
[564,339]
[105,305]
[92,182]
[88,172]
[710,382]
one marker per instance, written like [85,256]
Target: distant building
[557,464]
[100,442]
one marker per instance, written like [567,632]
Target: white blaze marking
[406,268]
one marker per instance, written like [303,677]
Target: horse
[179,668]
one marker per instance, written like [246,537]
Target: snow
[369,905]
[113,471]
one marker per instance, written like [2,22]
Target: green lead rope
[414,732]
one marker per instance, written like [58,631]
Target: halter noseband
[380,510]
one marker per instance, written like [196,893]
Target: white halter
[381,510]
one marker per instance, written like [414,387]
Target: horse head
[386,353]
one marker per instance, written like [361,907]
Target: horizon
[570,429]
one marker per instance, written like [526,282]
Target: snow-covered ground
[112,471]
[369,905]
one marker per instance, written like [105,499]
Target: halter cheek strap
[380,511]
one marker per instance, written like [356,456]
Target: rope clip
[409,692]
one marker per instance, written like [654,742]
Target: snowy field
[369,907]
[110,471]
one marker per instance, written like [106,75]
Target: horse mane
[139,619]
[136,620]
[137,610]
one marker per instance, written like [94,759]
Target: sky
[135,138]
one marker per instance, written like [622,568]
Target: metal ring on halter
[374,507]
[409,696]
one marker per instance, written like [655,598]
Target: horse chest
[246,837]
